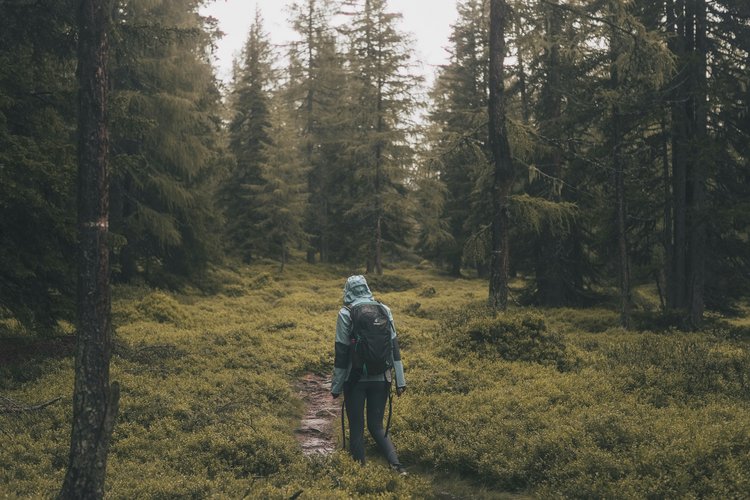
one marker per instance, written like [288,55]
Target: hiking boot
[400,469]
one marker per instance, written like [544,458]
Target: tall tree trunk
[550,252]
[378,182]
[522,76]
[324,232]
[503,166]
[689,171]
[698,168]
[309,129]
[616,140]
[667,269]
[378,248]
[622,241]
[454,263]
[95,402]
[676,289]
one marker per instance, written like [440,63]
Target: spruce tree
[37,163]
[458,139]
[728,190]
[165,141]
[316,87]
[282,196]
[377,146]
[248,138]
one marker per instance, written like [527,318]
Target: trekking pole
[343,426]
[390,409]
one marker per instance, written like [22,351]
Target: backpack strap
[385,311]
[351,318]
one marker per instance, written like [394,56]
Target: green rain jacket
[357,292]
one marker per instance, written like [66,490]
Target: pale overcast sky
[427,21]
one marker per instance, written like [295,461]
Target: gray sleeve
[341,363]
[398,365]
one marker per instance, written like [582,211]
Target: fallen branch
[8,405]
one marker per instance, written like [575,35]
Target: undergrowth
[546,403]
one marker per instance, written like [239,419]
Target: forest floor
[225,394]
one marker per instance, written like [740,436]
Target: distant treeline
[628,123]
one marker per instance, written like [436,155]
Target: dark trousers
[376,396]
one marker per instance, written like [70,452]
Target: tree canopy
[626,124]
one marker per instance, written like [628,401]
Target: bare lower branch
[8,405]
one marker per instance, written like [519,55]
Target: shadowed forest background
[620,366]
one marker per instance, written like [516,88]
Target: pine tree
[378,148]
[37,163]
[458,142]
[248,138]
[728,190]
[282,197]
[316,86]
[166,141]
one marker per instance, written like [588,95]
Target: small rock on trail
[317,430]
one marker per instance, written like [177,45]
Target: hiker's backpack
[370,339]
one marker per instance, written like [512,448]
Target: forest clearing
[210,402]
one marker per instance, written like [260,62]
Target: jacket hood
[356,289]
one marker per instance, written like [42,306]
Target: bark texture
[686,243]
[503,165]
[95,402]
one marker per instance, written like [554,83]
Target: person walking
[366,358]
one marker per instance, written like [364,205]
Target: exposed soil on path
[317,431]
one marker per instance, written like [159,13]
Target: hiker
[366,377]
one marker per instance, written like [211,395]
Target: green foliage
[37,163]
[162,308]
[534,214]
[591,320]
[513,336]
[377,149]
[249,138]
[389,283]
[166,152]
[208,405]
[665,368]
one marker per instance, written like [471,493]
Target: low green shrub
[727,330]
[591,320]
[162,308]
[261,281]
[389,283]
[513,336]
[678,367]
[530,436]
[415,309]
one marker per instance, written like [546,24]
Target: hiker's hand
[400,391]
[334,396]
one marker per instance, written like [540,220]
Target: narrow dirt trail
[317,431]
